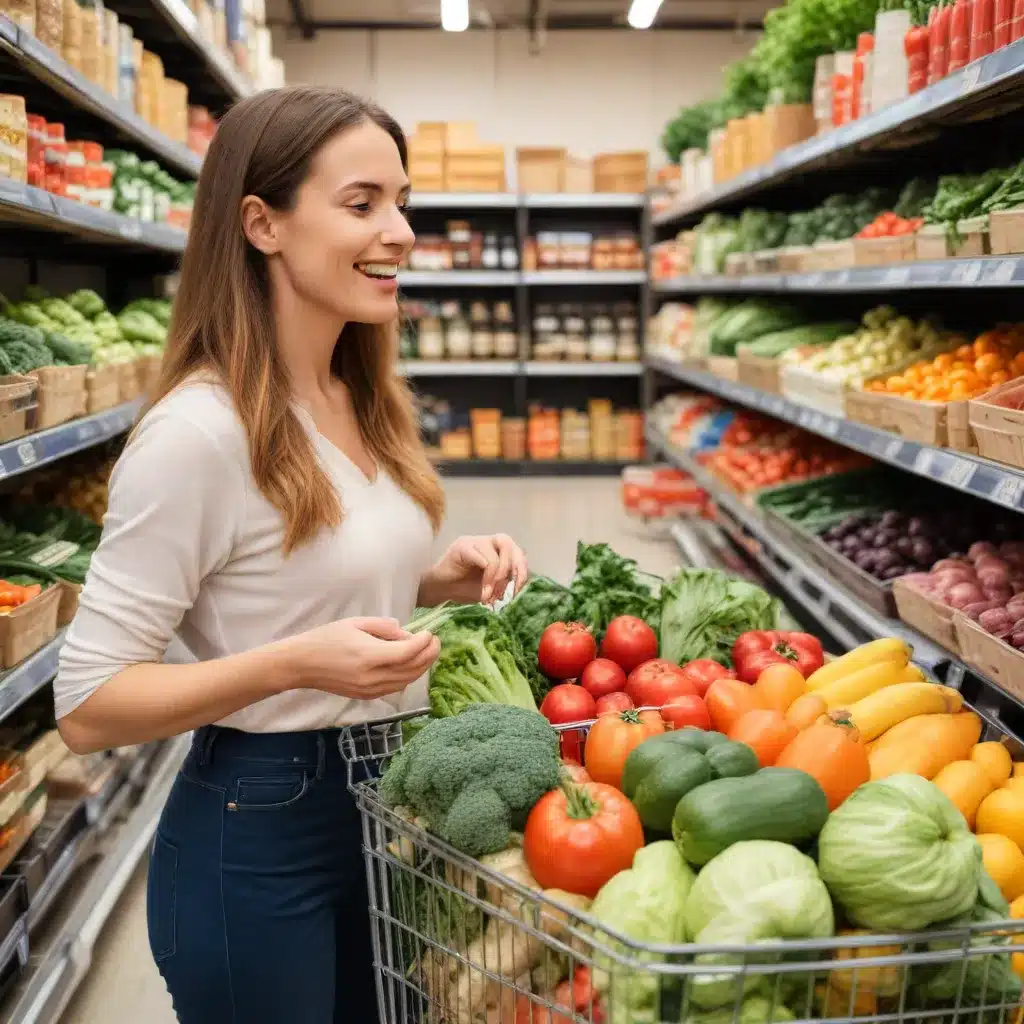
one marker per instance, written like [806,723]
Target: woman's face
[342,243]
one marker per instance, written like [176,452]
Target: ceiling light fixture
[455,15]
[642,13]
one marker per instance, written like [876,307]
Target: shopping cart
[464,941]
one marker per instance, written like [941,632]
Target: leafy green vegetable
[607,585]
[898,856]
[541,602]
[754,892]
[755,1009]
[481,662]
[476,776]
[774,344]
[750,320]
[645,903]
[688,130]
[705,610]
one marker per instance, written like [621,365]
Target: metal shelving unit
[532,278]
[983,272]
[527,467]
[983,88]
[30,676]
[458,278]
[981,478]
[459,368]
[845,616]
[537,368]
[41,70]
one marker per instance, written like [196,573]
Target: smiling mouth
[378,271]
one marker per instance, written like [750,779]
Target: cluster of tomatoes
[890,225]
[748,469]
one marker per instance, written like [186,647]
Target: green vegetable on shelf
[87,302]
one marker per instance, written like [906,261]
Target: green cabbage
[754,892]
[755,1009]
[898,856]
[646,904]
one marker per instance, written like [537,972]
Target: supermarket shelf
[970,474]
[463,201]
[40,63]
[537,368]
[985,272]
[66,957]
[458,278]
[38,208]
[584,200]
[958,95]
[28,677]
[35,450]
[527,467]
[842,614]
[563,277]
[459,368]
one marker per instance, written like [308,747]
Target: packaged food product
[71,43]
[14,137]
[50,24]
[75,171]
[22,13]
[56,158]
[36,171]
[91,64]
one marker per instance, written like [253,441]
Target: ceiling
[310,16]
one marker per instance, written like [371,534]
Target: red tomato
[565,649]
[629,642]
[704,671]
[654,682]
[568,702]
[575,772]
[612,703]
[601,677]
[686,710]
[578,996]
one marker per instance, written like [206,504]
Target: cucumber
[651,752]
[782,804]
[699,739]
[661,788]
[731,760]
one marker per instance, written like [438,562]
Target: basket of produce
[28,619]
[931,617]
[996,421]
[994,650]
[758,359]
[750,820]
[17,402]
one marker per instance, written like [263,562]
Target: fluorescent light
[455,15]
[642,13]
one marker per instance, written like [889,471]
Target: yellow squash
[878,981]
[866,681]
[1018,769]
[889,649]
[994,759]
[1014,784]
[1002,811]
[1004,862]
[924,745]
[966,784]
[894,704]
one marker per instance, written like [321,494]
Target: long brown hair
[222,318]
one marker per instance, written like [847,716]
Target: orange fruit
[943,362]
[988,364]
[999,377]
[1017,366]
[986,344]
[964,352]
[959,391]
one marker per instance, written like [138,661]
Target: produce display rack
[985,87]
[839,612]
[981,478]
[512,368]
[925,275]
[528,467]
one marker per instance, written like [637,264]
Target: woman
[275,508]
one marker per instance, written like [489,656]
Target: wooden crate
[933,242]
[27,628]
[68,605]
[621,172]
[18,401]
[813,390]
[920,421]
[726,367]
[794,259]
[758,372]
[994,658]
[875,252]
[787,124]
[1006,232]
[102,388]
[930,617]
[832,255]
[61,394]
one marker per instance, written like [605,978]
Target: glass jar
[603,340]
[430,338]
[574,326]
[509,253]
[458,335]
[506,339]
[490,256]
[548,338]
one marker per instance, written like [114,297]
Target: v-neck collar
[307,417]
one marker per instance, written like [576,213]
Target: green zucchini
[731,760]
[660,789]
[782,804]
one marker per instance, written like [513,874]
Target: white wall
[591,91]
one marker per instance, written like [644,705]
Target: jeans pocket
[270,792]
[161,898]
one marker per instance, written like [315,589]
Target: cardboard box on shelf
[28,627]
[787,124]
[479,168]
[485,426]
[1006,231]
[621,172]
[934,243]
[873,252]
[61,395]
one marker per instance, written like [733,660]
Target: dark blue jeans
[257,900]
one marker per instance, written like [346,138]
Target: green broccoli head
[476,776]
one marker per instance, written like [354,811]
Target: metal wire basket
[463,941]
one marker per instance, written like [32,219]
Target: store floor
[546,516]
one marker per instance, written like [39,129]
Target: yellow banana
[887,707]
[866,681]
[888,649]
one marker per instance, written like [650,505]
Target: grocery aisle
[547,516]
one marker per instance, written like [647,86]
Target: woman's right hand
[361,658]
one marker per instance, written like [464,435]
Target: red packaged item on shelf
[658,492]
[1003,26]
[915,46]
[959,35]
[56,159]
[36,150]
[982,29]
[842,99]
[75,175]
[859,96]
[938,42]
[1017,22]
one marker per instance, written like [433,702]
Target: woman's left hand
[477,569]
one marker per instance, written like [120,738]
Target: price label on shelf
[27,453]
[130,229]
[923,462]
[1008,491]
[967,272]
[971,77]
[776,406]
[814,280]
[841,278]
[831,428]
[896,276]
[959,473]
[892,449]
[1002,272]
[85,432]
